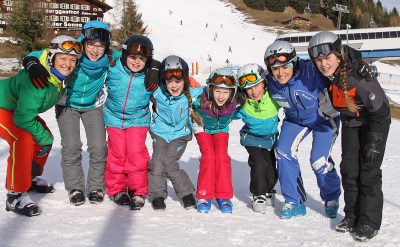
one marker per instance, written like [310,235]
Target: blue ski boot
[331,208]
[291,209]
[225,205]
[203,206]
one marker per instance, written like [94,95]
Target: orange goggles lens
[139,50]
[247,78]
[169,74]
[68,46]
[272,60]
[223,79]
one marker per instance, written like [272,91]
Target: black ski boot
[22,204]
[41,186]
[137,202]
[189,201]
[121,198]
[158,204]
[76,197]
[96,196]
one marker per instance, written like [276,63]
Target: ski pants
[321,162]
[164,165]
[215,175]
[23,162]
[127,159]
[68,120]
[361,180]
[263,173]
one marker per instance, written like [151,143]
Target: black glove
[365,70]
[43,151]
[151,79]
[36,71]
[372,149]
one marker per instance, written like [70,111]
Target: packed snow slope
[63,225]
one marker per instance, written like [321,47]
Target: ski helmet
[96,30]
[250,75]
[279,53]
[174,66]
[63,44]
[137,44]
[324,42]
[224,78]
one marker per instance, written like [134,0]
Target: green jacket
[18,94]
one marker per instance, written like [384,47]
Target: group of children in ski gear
[310,92]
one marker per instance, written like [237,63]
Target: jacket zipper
[126,100]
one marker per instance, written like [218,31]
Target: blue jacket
[171,119]
[261,122]
[127,103]
[212,125]
[299,97]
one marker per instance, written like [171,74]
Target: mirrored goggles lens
[250,78]
[223,79]
[68,46]
[316,51]
[97,34]
[169,74]
[139,50]
[274,59]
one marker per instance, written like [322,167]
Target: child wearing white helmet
[29,138]
[258,135]
[216,106]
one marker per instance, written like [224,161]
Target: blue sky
[389,4]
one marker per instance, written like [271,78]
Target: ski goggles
[97,34]
[68,46]
[278,59]
[169,74]
[141,50]
[223,79]
[247,79]
[324,49]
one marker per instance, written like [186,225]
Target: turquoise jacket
[172,120]
[261,122]
[213,125]
[127,103]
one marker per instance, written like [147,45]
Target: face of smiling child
[175,86]
[221,95]
[136,63]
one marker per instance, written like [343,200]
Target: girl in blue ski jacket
[297,87]
[258,135]
[127,120]
[216,106]
[171,129]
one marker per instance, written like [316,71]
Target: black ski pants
[263,174]
[361,181]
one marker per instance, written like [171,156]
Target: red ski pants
[215,175]
[23,163]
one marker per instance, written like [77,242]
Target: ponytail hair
[343,71]
[195,116]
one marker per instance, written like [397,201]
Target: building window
[94,9]
[1,30]
[1,15]
[100,9]
[64,6]
[64,18]
[85,19]
[85,7]
[43,5]
[75,6]
[53,18]
[8,3]
[53,5]
[75,18]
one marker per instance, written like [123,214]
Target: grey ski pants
[164,165]
[68,120]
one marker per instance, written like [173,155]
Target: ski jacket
[127,103]
[171,118]
[367,94]
[299,97]
[19,95]
[213,125]
[261,122]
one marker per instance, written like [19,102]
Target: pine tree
[131,21]
[26,23]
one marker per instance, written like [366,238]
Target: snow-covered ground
[62,224]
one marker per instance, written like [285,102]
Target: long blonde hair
[195,116]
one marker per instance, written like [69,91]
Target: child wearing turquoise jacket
[171,129]
[216,106]
[258,135]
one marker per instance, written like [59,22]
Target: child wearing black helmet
[171,129]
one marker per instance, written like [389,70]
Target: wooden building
[63,16]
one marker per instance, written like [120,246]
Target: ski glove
[36,71]
[44,151]
[365,70]
[373,147]
[325,108]
[151,79]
